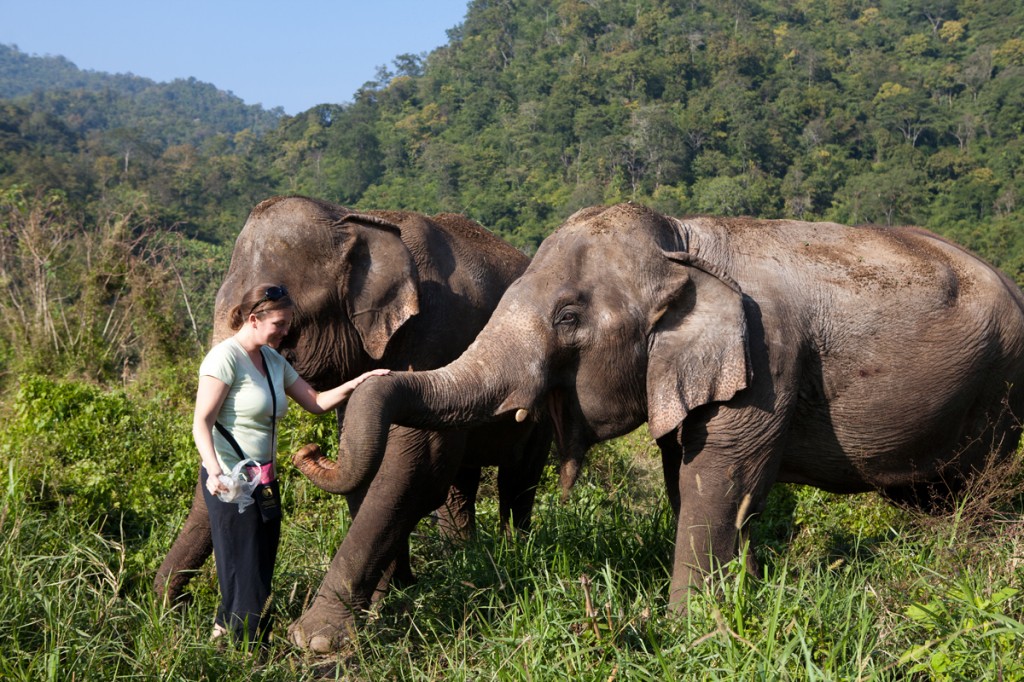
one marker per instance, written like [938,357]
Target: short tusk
[521,415]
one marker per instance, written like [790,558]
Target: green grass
[851,588]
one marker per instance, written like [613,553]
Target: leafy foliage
[850,111]
[101,454]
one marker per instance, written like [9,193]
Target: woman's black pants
[245,549]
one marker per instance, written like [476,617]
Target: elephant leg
[517,483]
[411,481]
[356,571]
[190,550]
[399,574]
[401,568]
[457,516]
[706,533]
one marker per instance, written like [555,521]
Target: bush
[116,460]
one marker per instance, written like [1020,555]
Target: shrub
[106,456]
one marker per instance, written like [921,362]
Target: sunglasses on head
[271,294]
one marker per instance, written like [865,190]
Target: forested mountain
[852,110]
[182,111]
[859,111]
[23,74]
[94,136]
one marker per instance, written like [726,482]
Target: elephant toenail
[320,644]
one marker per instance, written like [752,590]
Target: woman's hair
[260,299]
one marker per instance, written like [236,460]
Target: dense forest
[849,110]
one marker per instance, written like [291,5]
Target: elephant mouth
[568,440]
[556,408]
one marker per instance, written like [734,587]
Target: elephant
[852,359]
[390,289]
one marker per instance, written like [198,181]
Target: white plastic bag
[240,482]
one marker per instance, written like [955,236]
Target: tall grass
[850,589]
[105,297]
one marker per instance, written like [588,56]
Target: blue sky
[294,54]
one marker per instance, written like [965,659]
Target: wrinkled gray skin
[851,359]
[380,289]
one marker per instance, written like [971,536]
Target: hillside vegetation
[120,200]
[856,111]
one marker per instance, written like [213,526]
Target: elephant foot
[181,601]
[319,636]
[318,644]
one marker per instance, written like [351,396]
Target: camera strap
[230,439]
[273,412]
[268,495]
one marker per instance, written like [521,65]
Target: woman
[236,414]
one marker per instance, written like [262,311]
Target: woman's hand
[346,388]
[350,386]
[318,403]
[213,483]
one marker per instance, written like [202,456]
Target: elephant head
[353,280]
[614,323]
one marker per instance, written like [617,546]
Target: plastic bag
[240,482]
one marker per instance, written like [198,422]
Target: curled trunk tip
[320,470]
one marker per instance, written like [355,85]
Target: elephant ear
[698,343]
[382,289]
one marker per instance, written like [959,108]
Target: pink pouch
[267,473]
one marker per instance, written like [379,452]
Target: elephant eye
[567,317]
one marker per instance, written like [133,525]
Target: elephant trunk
[438,399]
[572,446]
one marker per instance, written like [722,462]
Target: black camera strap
[273,412]
[230,439]
[268,495]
